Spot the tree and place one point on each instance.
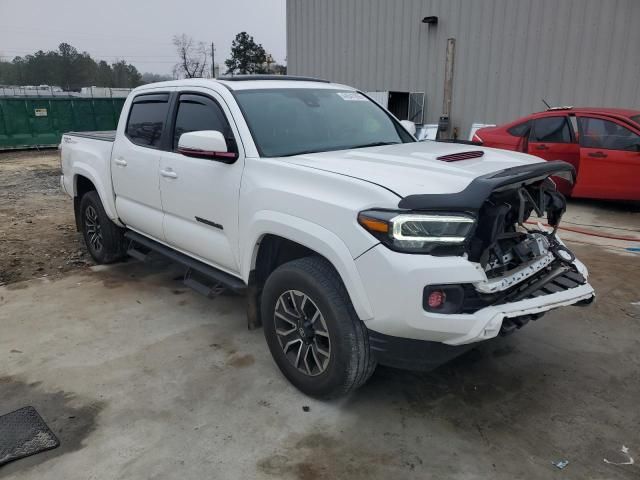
(247, 56)
(104, 75)
(148, 77)
(193, 57)
(68, 68)
(279, 69)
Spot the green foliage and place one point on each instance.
(148, 77)
(69, 69)
(247, 56)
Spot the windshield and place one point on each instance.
(292, 121)
(636, 118)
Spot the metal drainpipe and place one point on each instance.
(448, 85)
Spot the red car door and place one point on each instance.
(609, 159)
(552, 138)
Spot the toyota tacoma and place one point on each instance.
(354, 244)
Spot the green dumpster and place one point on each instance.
(28, 122)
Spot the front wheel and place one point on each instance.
(312, 330)
(104, 239)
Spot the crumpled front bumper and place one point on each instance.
(394, 283)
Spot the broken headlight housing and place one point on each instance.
(424, 232)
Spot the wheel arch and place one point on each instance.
(276, 238)
(86, 179)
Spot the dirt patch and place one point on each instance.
(37, 228)
(241, 360)
(317, 456)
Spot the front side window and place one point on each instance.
(292, 121)
(146, 120)
(197, 113)
(605, 134)
(636, 118)
(551, 130)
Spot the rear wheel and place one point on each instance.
(312, 330)
(104, 239)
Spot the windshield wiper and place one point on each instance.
(320, 150)
(304, 152)
(376, 144)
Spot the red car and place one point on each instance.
(603, 144)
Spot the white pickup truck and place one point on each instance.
(355, 244)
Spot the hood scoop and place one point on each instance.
(456, 157)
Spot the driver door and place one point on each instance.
(609, 159)
(200, 196)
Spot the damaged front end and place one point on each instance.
(520, 258)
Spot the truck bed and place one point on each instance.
(104, 135)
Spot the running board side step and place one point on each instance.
(219, 279)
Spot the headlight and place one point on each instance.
(417, 232)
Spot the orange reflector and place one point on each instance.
(373, 224)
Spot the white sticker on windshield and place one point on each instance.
(352, 96)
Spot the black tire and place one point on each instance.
(110, 247)
(350, 363)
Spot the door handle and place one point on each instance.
(597, 155)
(168, 173)
(542, 147)
(120, 161)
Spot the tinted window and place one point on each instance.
(146, 121)
(599, 133)
(199, 113)
(291, 121)
(636, 118)
(520, 129)
(551, 130)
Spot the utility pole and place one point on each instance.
(213, 61)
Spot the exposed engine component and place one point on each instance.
(508, 251)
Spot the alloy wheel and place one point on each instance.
(302, 332)
(92, 226)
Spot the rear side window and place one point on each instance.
(599, 133)
(146, 119)
(521, 129)
(551, 130)
(196, 113)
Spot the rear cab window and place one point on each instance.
(521, 129)
(147, 118)
(551, 130)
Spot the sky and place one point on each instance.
(139, 31)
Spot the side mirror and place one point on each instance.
(409, 126)
(208, 144)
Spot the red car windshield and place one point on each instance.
(636, 118)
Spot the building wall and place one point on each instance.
(509, 53)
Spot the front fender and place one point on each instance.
(314, 237)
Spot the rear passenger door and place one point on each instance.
(200, 196)
(135, 161)
(553, 138)
(609, 159)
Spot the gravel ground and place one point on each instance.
(37, 229)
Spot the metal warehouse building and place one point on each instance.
(489, 61)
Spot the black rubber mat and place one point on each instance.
(24, 433)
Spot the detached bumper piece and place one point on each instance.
(410, 354)
(556, 277)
